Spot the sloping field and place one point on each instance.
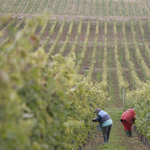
(91, 38)
(78, 7)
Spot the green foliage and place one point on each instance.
(44, 104)
(140, 101)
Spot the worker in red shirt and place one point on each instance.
(127, 119)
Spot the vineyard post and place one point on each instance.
(123, 98)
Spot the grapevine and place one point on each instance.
(104, 82)
(20, 23)
(1, 2)
(121, 82)
(42, 96)
(136, 81)
(80, 6)
(54, 6)
(53, 27)
(139, 6)
(94, 7)
(12, 6)
(78, 67)
(127, 10)
(73, 9)
(91, 68)
(26, 6)
(33, 6)
(40, 6)
(11, 23)
(47, 6)
(113, 7)
(133, 10)
(141, 62)
(44, 27)
(52, 48)
(60, 7)
(63, 48)
(100, 10)
(146, 9)
(19, 5)
(72, 52)
(5, 5)
(120, 8)
(66, 10)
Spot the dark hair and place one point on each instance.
(97, 110)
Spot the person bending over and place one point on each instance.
(127, 119)
(105, 121)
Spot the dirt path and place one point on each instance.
(118, 139)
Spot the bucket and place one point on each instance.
(99, 128)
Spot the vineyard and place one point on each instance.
(78, 7)
(93, 42)
(59, 66)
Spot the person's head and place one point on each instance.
(97, 110)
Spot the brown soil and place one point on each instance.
(87, 60)
(46, 33)
(78, 49)
(68, 49)
(127, 73)
(53, 37)
(83, 32)
(99, 59)
(65, 31)
(92, 32)
(101, 32)
(139, 73)
(110, 31)
(74, 31)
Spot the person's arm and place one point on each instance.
(97, 118)
(133, 120)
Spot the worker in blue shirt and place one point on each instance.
(105, 121)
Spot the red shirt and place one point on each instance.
(129, 116)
